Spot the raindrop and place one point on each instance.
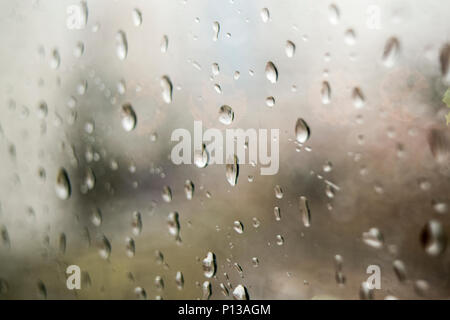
(89, 179)
(121, 45)
(167, 194)
(167, 87)
(232, 171)
(179, 280)
(280, 240)
(391, 51)
(358, 98)
(41, 290)
(201, 157)
(159, 282)
(5, 237)
(270, 101)
(42, 110)
(302, 131)
(189, 189)
(206, 290)
(96, 217)
(278, 192)
(136, 223)
(224, 290)
(62, 186)
(421, 287)
(400, 270)
(226, 115)
(164, 43)
(271, 72)
(216, 29)
(55, 59)
(334, 14)
(240, 293)
(350, 37)
(136, 16)
(104, 248)
(209, 265)
(140, 293)
(444, 59)
(277, 213)
(238, 227)
(130, 247)
(121, 87)
(128, 116)
(78, 50)
(326, 92)
(255, 262)
(373, 238)
(433, 238)
(304, 211)
(215, 69)
(62, 243)
(236, 75)
(173, 224)
(265, 15)
(290, 49)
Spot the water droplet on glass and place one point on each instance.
(173, 224)
(128, 116)
(280, 240)
(78, 50)
(104, 248)
(358, 98)
(179, 280)
(304, 211)
(96, 217)
(130, 247)
(444, 59)
(89, 179)
(240, 293)
(232, 171)
(189, 189)
(373, 238)
(201, 157)
(140, 293)
(365, 291)
(278, 192)
(206, 290)
(136, 223)
(302, 131)
(216, 29)
(167, 194)
(325, 92)
(271, 72)
(166, 86)
(121, 45)
(209, 265)
(350, 37)
(433, 238)
(136, 16)
(164, 43)
(333, 13)
(265, 15)
(290, 49)
(55, 59)
(400, 270)
(238, 227)
(391, 51)
(226, 115)
(270, 101)
(215, 69)
(62, 187)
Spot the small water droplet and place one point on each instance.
(304, 211)
(164, 43)
(373, 238)
(400, 270)
(358, 98)
(350, 37)
(96, 217)
(216, 29)
(130, 247)
(128, 116)
(167, 88)
(232, 171)
(173, 224)
(240, 293)
(201, 157)
(189, 189)
(271, 72)
(238, 227)
(167, 194)
(391, 52)
(325, 92)
(136, 16)
(136, 223)
(104, 248)
(366, 292)
(290, 49)
(206, 290)
(270, 102)
(179, 280)
(55, 59)
(121, 45)
(209, 265)
(333, 14)
(278, 192)
(277, 213)
(280, 240)
(62, 187)
(215, 69)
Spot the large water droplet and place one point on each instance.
(302, 131)
(271, 72)
(240, 292)
(62, 187)
(128, 116)
(226, 115)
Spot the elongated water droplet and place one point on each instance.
(62, 187)
(326, 92)
(302, 131)
(290, 49)
(121, 45)
(130, 247)
(128, 116)
(280, 240)
(206, 290)
(62, 243)
(159, 283)
(391, 51)
(226, 115)
(400, 270)
(136, 223)
(104, 248)
(5, 237)
(140, 293)
(89, 179)
(167, 194)
(173, 224)
(373, 238)
(232, 171)
(179, 280)
(304, 211)
(96, 217)
(333, 14)
(216, 29)
(350, 37)
(255, 262)
(444, 59)
(166, 86)
(79, 49)
(224, 289)
(136, 16)
(265, 15)
(215, 69)
(277, 213)
(240, 293)
(433, 238)
(164, 43)
(366, 291)
(55, 59)
(41, 290)
(271, 72)
(189, 189)
(209, 265)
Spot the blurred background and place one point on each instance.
(367, 76)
